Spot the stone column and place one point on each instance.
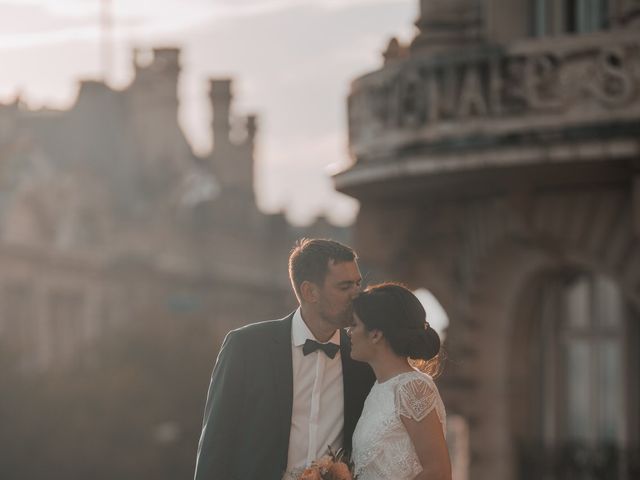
(447, 23)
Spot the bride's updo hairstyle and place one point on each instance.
(399, 315)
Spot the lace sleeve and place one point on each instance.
(416, 398)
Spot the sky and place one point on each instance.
(292, 62)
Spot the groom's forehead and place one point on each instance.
(345, 271)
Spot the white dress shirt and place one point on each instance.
(317, 416)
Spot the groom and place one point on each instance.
(282, 391)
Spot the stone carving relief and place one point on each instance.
(496, 86)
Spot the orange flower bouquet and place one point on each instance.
(334, 466)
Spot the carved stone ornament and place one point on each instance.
(430, 95)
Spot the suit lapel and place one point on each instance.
(282, 368)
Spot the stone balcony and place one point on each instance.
(557, 100)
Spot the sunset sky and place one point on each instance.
(292, 61)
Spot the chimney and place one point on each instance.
(220, 96)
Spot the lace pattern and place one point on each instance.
(416, 398)
(382, 449)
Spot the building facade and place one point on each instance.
(496, 161)
(106, 213)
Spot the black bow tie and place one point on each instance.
(311, 346)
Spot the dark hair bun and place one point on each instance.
(416, 343)
(422, 344)
(398, 313)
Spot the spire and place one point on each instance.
(395, 51)
(447, 24)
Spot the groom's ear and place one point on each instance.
(309, 291)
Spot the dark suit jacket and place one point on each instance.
(247, 418)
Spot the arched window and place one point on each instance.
(592, 337)
(579, 390)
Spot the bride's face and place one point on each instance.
(361, 340)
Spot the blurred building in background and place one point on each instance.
(497, 164)
(105, 212)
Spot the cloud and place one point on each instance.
(31, 23)
(170, 12)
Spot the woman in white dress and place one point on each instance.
(401, 432)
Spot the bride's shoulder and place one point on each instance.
(416, 395)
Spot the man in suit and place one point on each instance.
(283, 391)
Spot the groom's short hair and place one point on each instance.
(310, 257)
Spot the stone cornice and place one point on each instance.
(413, 166)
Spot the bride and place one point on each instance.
(401, 433)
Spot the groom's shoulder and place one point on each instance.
(260, 329)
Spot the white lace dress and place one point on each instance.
(382, 449)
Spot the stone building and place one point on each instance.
(496, 161)
(105, 211)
